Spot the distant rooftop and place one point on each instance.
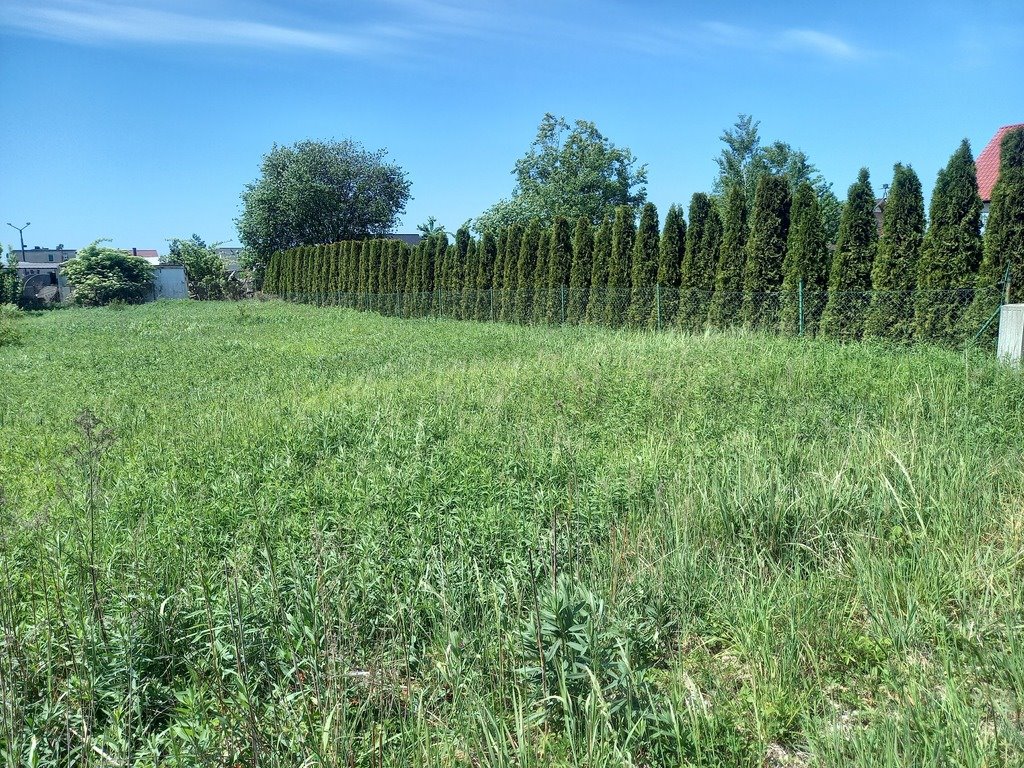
(408, 239)
(988, 162)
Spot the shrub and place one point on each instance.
(100, 275)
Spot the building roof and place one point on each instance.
(988, 162)
(408, 239)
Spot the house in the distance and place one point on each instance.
(408, 239)
(38, 268)
(169, 280)
(988, 167)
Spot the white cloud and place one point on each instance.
(99, 21)
(717, 34)
(821, 43)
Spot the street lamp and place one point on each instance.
(21, 236)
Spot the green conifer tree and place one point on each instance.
(559, 263)
(597, 301)
(727, 301)
(805, 268)
(644, 269)
(324, 277)
(620, 266)
(487, 252)
(580, 270)
(525, 267)
(509, 282)
(849, 277)
(498, 273)
(269, 279)
(894, 274)
(951, 251)
(298, 284)
(540, 277)
(697, 276)
(766, 251)
(1004, 234)
(468, 304)
(671, 251)
(401, 280)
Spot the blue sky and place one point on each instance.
(141, 121)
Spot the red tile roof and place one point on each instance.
(988, 162)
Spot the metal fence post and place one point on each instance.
(657, 303)
(801, 302)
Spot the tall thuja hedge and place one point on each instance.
(710, 247)
(597, 300)
(805, 267)
(951, 251)
(671, 250)
(457, 270)
(894, 274)
(644, 272)
(270, 278)
(412, 287)
(487, 251)
(697, 273)
(373, 275)
(395, 276)
(540, 277)
(334, 273)
(849, 278)
(401, 273)
(766, 251)
(432, 247)
(351, 273)
(559, 262)
(498, 272)
(727, 300)
(323, 266)
(308, 268)
(618, 285)
(1004, 233)
(580, 271)
(510, 276)
(468, 287)
(525, 267)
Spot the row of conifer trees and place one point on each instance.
(721, 266)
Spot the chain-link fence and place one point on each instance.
(954, 317)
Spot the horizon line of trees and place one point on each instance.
(765, 266)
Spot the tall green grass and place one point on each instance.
(279, 535)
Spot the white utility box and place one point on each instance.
(1011, 334)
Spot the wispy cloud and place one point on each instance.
(717, 34)
(106, 21)
(820, 43)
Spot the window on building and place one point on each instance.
(51, 257)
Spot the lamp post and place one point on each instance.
(21, 236)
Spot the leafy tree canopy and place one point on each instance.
(204, 268)
(744, 160)
(315, 192)
(569, 171)
(100, 275)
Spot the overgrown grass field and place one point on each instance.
(265, 534)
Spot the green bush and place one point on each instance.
(100, 275)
